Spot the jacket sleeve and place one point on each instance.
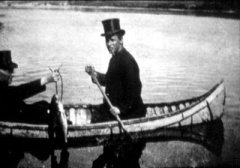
(27, 90)
(100, 78)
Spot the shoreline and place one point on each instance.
(231, 14)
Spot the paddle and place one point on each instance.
(110, 104)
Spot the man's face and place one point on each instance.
(5, 76)
(114, 44)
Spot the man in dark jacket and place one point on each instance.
(13, 107)
(122, 80)
(123, 88)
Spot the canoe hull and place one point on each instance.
(210, 135)
(160, 117)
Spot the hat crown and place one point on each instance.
(112, 26)
(6, 60)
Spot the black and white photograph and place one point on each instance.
(119, 84)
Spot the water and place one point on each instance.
(179, 57)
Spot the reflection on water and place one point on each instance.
(209, 134)
(122, 152)
(64, 160)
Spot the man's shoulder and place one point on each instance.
(125, 55)
(125, 52)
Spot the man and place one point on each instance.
(13, 107)
(123, 88)
(12, 104)
(122, 80)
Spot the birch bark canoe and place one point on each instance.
(162, 119)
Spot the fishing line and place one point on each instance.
(61, 85)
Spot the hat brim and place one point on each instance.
(122, 32)
(14, 65)
(11, 66)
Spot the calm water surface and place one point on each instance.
(179, 57)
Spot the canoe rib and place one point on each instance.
(205, 108)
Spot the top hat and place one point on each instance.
(6, 61)
(111, 27)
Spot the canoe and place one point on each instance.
(162, 119)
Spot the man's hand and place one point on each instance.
(90, 70)
(53, 77)
(114, 110)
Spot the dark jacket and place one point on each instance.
(123, 84)
(12, 98)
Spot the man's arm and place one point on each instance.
(27, 90)
(100, 78)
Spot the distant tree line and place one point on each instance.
(192, 5)
(218, 5)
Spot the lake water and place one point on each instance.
(179, 57)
